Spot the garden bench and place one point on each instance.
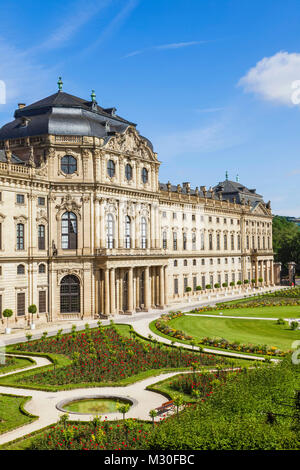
(164, 407)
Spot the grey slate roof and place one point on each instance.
(64, 114)
(230, 190)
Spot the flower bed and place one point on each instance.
(128, 435)
(201, 384)
(103, 355)
(162, 325)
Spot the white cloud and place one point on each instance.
(272, 78)
(84, 11)
(213, 137)
(162, 47)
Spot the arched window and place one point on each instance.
(144, 175)
(218, 241)
(68, 164)
(127, 232)
(174, 240)
(69, 231)
(143, 233)
(111, 168)
(202, 241)
(128, 172)
(193, 241)
(70, 295)
(239, 242)
(20, 269)
(20, 236)
(210, 241)
(184, 241)
(42, 268)
(164, 237)
(110, 231)
(225, 242)
(41, 237)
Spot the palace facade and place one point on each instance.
(86, 229)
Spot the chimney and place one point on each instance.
(21, 105)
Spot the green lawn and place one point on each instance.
(245, 331)
(11, 413)
(266, 312)
(15, 364)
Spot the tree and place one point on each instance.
(153, 414)
(123, 408)
(32, 310)
(286, 241)
(7, 313)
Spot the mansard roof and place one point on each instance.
(234, 190)
(14, 158)
(64, 114)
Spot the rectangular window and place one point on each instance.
(193, 217)
(21, 304)
(175, 286)
(203, 282)
(219, 279)
(42, 301)
(20, 199)
(41, 237)
(41, 201)
(174, 241)
(174, 215)
(226, 278)
(194, 283)
(20, 237)
(184, 241)
(203, 261)
(185, 283)
(183, 216)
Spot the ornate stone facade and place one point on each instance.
(97, 234)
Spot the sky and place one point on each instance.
(214, 84)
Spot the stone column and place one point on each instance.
(161, 287)
(106, 292)
(137, 285)
(166, 285)
(256, 272)
(147, 289)
(97, 223)
(112, 291)
(102, 225)
(271, 272)
(130, 290)
(121, 226)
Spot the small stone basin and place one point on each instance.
(95, 405)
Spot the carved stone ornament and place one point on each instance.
(61, 273)
(68, 204)
(130, 142)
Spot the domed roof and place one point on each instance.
(64, 114)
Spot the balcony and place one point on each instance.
(129, 252)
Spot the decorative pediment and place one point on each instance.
(68, 204)
(261, 209)
(130, 142)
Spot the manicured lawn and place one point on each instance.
(11, 415)
(246, 331)
(15, 363)
(265, 312)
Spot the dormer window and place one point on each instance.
(68, 164)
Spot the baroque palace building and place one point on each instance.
(86, 229)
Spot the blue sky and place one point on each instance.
(209, 82)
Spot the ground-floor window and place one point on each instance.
(42, 301)
(21, 304)
(70, 295)
(194, 282)
(175, 286)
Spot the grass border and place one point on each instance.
(21, 410)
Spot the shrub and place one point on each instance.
(217, 285)
(239, 283)
(208, 286)
(280, 321)
(294, 325)
(232, 283)
(225, 284)
(246, 281)
(188, 289)
(198, 288)
(7, 313)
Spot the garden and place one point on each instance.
(102, 356)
